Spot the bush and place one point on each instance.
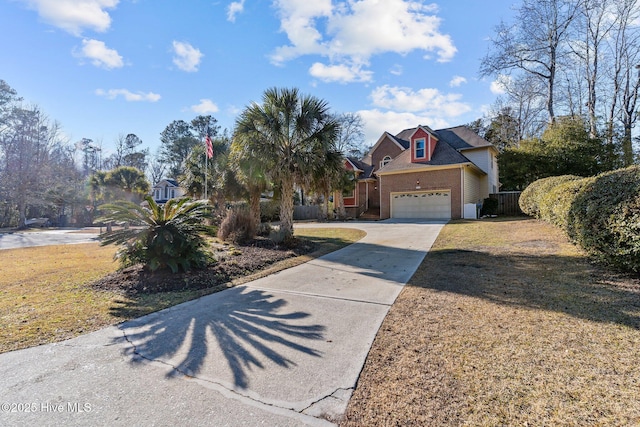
(600, 214)
(237, 225)
(168, 236)
(489, 207)
(532, 196)
(605, 218)
(264, 229)
(557, 202)
(269, 211)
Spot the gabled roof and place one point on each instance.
(462, 138)
(406, 134)
(171, 182)
(443, 155)
(452, 142)
(364, 167)
(401, 143)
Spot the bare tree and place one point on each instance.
(534, 44)
(595, 23)
(350, 140)
(157, 168)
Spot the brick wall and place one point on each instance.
(386, 148)
(446, 179)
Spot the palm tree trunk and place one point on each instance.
(286, 208)
(254, 207)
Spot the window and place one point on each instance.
(385, 160)
(420, 152)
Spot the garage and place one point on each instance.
(421, 204)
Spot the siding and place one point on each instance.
(471, 187)
(486, 161)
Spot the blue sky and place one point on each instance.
(102, 68)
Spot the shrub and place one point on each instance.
(264, 229)
(489, 206)
(531, 197)
(168, 236)
(605, 218)
(269, 211)
(237, 225)
(557, 202)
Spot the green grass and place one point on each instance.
(45, 292)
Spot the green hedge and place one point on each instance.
(557, 203)
(605, 218)
(531, 198)
(601, 214)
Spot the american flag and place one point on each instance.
(209, 147)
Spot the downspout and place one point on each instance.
(380, 197)
(462, 191)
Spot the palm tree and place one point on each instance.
(253, 177)
(287, 136)
(168, 236)
(327, 177)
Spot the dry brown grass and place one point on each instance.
(505, 323)
(46, 293)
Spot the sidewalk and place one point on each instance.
(284, 350)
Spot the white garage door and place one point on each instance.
(424, 204)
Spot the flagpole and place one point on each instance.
(206, 164)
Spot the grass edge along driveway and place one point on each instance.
(505, 323)
(45, 292)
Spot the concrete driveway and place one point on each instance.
(284, 350)
(23, 239)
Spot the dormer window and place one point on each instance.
(420, 152)
(384, 161)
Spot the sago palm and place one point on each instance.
(159, 237)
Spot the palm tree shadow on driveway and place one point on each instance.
(247, 328)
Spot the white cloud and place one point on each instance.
(354, 31)
(340, 73)
(206, 106)
(457, 81)
(128, 95)
(99, 54)
(398, 108)
(376, 122)
(186, 57)
(500, 84)
(234, 8)
(428, 100)
(75, 15)
(397, 70)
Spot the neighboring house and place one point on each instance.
(167, 189)
(422, 173)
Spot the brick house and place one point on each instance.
(422, 173)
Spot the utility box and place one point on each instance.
(470, 211)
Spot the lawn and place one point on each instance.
(46, 292)
(505, 323)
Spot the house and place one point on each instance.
(422, 173)
(167, 189)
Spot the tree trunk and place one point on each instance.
(286, 208)
(324, 209)
(254, 207)
(338, 199)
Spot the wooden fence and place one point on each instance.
(306, 212)
(508, 202)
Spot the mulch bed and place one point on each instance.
(232, 261)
